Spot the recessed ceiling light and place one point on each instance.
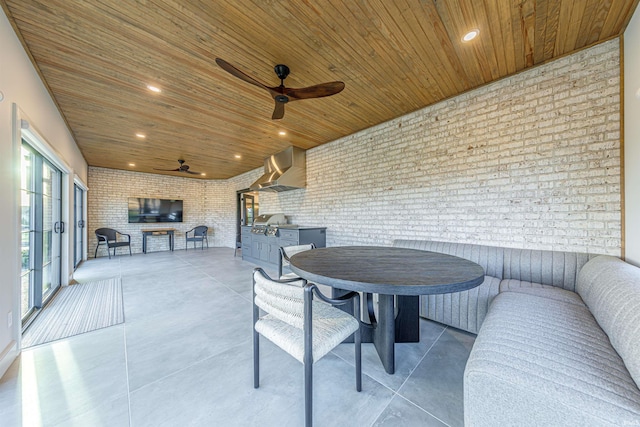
(141, 135)
(154, 88)
(470, 35)
(238, 156)
(282, 133)
(132, 164)
(203, 174)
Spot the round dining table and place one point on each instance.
(398, 276)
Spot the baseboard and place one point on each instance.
(7, 357)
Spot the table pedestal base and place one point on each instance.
(388, 328)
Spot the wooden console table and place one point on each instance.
(157, 232)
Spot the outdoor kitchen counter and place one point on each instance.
(265, 250)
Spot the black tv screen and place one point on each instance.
(143, 210)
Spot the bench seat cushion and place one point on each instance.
(542, 361)
(512, 285)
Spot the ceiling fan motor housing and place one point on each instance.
(282, 71)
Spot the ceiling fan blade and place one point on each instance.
(239, 74)
(193, 173)
(278, 111)
(167, 170)
(317, 91)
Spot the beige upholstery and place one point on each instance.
(302, 326)
(283, 325)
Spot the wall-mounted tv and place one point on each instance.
(146, 211)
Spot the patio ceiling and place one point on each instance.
(97, 58)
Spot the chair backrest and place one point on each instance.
(282, 300)
(109, 233)
(200, 231)
(286, 252)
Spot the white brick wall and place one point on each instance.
(109, 190)
(530, 161)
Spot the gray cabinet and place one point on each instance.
(265, 250)
(246, 239)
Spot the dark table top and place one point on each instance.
(387, 270)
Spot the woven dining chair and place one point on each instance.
(305, 328)
(286, 252)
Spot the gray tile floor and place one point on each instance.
(183, 357)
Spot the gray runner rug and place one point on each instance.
(77, 309)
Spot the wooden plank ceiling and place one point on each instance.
(97, 58)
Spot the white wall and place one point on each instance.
(632, 139)
(24, 92)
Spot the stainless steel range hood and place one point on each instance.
(286, 170)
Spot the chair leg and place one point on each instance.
(308, 394)
(358, 345)
(95, 255)
(256, 359)
(130, 250)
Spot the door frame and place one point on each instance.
(240, 212)
(78, 182)
(24, 129)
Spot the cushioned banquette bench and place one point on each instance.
(558, 336)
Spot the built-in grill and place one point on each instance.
(268, 224)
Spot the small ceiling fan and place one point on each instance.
(182, 168)
(280, 94)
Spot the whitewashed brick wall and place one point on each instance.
(205, 203)
(530, 161)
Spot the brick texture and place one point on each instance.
(531, 161)
(211, 203)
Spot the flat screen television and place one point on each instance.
(147, 211)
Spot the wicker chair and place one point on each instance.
(286, 252)
(199, 235)
(304, 328)
(109, 237)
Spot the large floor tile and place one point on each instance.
(175, 338)
(402, 413)
(68, 379)
(436, 384)
(219, 391)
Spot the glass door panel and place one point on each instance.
(249, 211)
(78, 208)
(27, 231)
(51, 228)
(40, 228)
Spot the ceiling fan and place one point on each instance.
(182, 168)
(280, 94)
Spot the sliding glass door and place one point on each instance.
(41, 229)
(78, 215)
